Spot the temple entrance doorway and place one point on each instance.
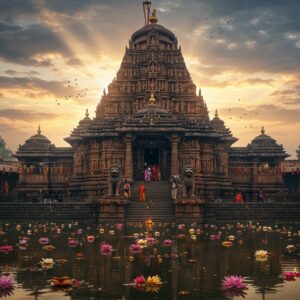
(151, 156)
(151, 150)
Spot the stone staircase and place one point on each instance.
(159, 205)
(267, 213)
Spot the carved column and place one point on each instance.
(174, 162)
(128, 158)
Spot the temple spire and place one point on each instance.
(216, 114)
(263, 130)
(39, 130)
(87, 113)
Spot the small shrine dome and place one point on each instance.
(37, 142)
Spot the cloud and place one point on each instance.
(33, 45)
(265, 112)
(26, 115)
(33, 85)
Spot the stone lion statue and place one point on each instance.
(188, 181)
(114, 180)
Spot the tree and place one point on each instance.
(298, 153)
(4, 152)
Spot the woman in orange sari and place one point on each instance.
(142, 193)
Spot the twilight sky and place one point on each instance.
(56, 57)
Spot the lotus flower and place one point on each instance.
(143, 243)
(43, 240)
(18, 227)
(261, 255)
(135, 249)
(167, 243)
(181, 226)
(73, 243)
(193, 237)
(157, 233)
(29, 232)
(290, 248)
(6, 249)
(61, 282)
(214, 237)
(153, 284)
(47, 263)
(90, 238)
(227, 244)
(119, 226)
(290, 276)
(106, 249)
(231, 238)
(101, 231)
(150, 241)
(233, 282)
(192, 231)
(139, 280)
(6, 282)
(48, 248)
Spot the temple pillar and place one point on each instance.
(174, 161)
(128, 174)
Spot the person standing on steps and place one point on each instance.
(142, 193)
(127, 190)
(174, 185)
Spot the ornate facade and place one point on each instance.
(152, 114)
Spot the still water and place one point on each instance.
(102, 261)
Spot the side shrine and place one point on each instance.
(151, 115)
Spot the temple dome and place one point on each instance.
(87, 120)
(163, 34)
(37, 142)
(265, 145)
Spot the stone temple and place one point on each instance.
(151, 114)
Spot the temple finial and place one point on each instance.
(153, 19)
(146, 8)
(87, 113)
(39, 131)
(263, 130)
(152, 99)
(200, 94)
(216, 114)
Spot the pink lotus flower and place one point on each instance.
(181, 226)
(135, 249)
(139, 280)
(43, 240)
(233, 282)
(6, 282)
(290, 276)
(150, 241)
(90, 238)
(23, 242)
(167, 243)
(73, 243)
(6, 248)
(106, 249)
(119, 226)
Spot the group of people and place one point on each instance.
(151, 172)
(239, 198)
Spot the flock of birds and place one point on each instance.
(219, 29)
(75, 92)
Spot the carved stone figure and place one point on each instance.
(114, 180)
(188, 181)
